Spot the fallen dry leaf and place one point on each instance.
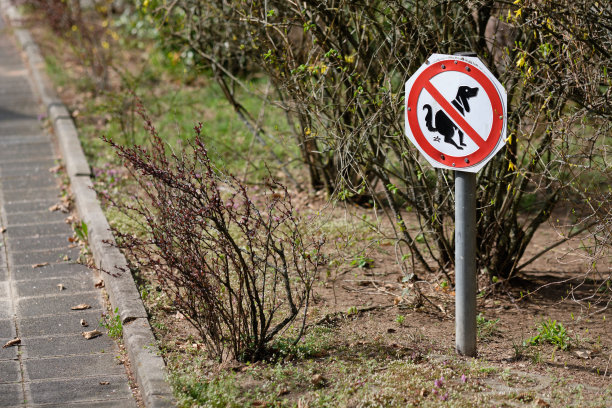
(82, 306)
(40, 265)
(84, 323)
(59, 207)
(586, 354)
(66, 258)
(12, 343)
(71, 239)
(104, 383)
(60, 287)
(99, 284)
(179, 316)
(2, 230)
(91, 334)
(70, 219)
(317, 380)
(55, 169)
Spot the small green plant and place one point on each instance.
(486, 327)
(81, 231)
(352, 311)
(552, 332)
(313, 344)
(112, 324)
(536, 357)
(362, 261)
(400, 319)
(519, 350)
(144, 293)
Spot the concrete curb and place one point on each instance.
(147, 365)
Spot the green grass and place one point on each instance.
(176, 100)
(331, 371)
(551, 332)
(176, 111)
(336, 382)
(112, 324)
(362, 261)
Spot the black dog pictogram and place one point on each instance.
(444, 125)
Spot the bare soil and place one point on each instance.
(370, 318)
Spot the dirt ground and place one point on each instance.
(370, 320)
(559, 285)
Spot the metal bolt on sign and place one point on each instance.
(456, 117)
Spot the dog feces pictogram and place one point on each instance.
(455, 112)
(443, 124)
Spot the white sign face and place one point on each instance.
(456, 112)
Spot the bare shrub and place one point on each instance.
(339, 68)
(238, 267)
(85, 29)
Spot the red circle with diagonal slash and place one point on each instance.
(485, 146)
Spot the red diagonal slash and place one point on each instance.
(454, 114)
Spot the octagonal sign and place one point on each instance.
(456, 112)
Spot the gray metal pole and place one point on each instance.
(465, 263)
(465, 258)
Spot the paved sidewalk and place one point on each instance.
(54, 366)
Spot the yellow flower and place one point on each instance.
(105, 23)
(511, 166)
(74, 28)
(518, 12)
(350, 59)
(175, 57)
(307, 131)
(105, 45)
(521, 61)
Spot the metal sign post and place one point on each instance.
(456, 117)
(466, 284)
(465, 263)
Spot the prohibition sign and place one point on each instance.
(486, 143)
